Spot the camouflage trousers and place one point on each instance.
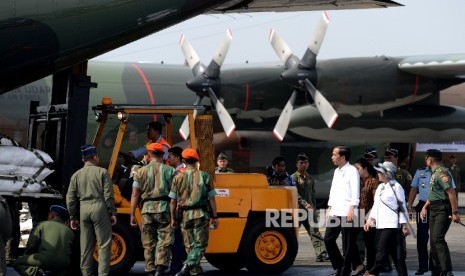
(195, 234)
(157, 237)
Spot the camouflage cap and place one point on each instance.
(222, 156)
(434, 153)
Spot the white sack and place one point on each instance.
(19, 156)
(16, 186)
(6, 141)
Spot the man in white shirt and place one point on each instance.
(342, 215)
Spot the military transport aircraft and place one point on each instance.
(38, 38)
(385, 98)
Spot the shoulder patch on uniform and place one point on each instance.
(444, 178)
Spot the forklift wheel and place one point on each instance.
(269, 250)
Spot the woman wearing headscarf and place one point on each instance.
(387, 215)
(369, 182)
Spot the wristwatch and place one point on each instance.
(456, 212)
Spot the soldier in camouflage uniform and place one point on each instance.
(404, 178)
(222, 162)
(192, 192)
(152, 185)
(442, 205)
(306, 199)
(91, 190)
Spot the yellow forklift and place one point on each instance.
(245, 201)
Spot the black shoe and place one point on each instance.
(185, 271)
(420, 271)
(41, 272)
(9, 262)
(336, 273)
(323, 257)
(359, 271)
(160, 270)
(386, 268)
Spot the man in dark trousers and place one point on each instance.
(342, 214)
(420, 186)
(442, 205)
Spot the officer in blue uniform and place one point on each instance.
(420, 186)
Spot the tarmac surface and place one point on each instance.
(305, 263)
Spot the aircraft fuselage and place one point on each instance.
(37, 39)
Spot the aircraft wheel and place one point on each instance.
(269, 250)
(123, 250)
(226, 261)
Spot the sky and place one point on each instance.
(421, 27)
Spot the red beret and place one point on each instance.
(190, 154)
(156, 147)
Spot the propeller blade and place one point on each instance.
(326, 110)
(281, 126)
(309, 58)
(191, 56)
(213, 69)
(280, 46)
(225, 119)
(184, 129)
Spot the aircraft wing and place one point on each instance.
(436, 66)
(299, 5)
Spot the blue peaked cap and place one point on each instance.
(88, 150)
(61, 210)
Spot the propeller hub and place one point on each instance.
(201, 84)
(296, 76)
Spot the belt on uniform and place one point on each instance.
(160, 198)
(439, 202)
(202, 206)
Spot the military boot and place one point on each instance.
(185, 271)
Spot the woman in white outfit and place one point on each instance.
(387, 215)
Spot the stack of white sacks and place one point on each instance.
(22, 170)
